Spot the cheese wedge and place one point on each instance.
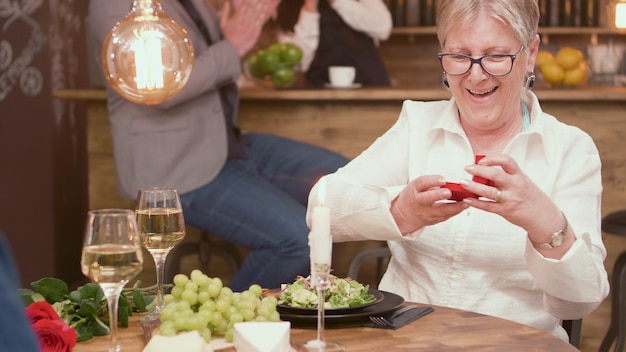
(189, 342)
(262, 336)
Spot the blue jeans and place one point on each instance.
(260, 204)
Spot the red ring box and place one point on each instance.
(458, 192)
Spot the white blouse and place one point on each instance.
(477, 260)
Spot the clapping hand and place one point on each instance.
(242, 21)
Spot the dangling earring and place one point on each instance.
(530, 81)
(444, 81)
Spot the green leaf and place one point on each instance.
(87, 309)
(83, 332)
(99, 327)
(75, 296)
(91, 291)
(52, 289)
(124, 310)
(140, 302)
(26, 295)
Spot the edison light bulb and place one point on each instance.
(147, 57)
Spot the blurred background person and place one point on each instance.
(337, 33)
(247, 188)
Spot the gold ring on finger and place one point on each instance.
(497, 197)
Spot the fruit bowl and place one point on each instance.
(276, 66)
(283, 77)
(567, 68)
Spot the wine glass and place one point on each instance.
(111, 256)
(161, 227)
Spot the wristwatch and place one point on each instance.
(557, 238)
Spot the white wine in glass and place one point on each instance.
(161, 227)
(111, 257)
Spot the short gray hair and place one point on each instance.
(521, 15)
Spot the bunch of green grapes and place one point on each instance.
(204, 304)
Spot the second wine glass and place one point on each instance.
(161, 227)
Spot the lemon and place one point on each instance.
(569, 57)
(543, 57)
(552, 73)
(576, 75)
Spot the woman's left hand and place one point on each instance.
(514, 195)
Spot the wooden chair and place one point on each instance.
(615, 223)
(573, 327)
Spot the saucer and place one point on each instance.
(352, 86)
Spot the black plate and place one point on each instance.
(390, 302)
(342, 310)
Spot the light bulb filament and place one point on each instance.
(620, 15)
(148, 61)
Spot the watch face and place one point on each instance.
(557, 240)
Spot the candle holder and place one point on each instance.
(320, 276)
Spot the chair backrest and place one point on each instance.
(574, 330)
(379, 253)
(573, 327)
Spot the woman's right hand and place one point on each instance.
(419, 205)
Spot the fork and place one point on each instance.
(387, 322)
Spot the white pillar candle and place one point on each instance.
(320, 241)
(319, 238)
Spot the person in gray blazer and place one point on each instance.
(250, 189)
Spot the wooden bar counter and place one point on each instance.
(445, 329)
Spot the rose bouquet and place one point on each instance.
(61, 318)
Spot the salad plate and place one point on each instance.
(390, 302)
(342, 295)
(378, 295)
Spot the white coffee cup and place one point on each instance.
(341, 76)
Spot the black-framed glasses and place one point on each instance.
(493, 64)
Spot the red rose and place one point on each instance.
(54, 335)
(41, 310)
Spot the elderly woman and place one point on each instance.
(526, 246)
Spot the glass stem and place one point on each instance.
(159, 262)
(321, 289)
(112, 293)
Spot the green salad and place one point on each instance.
(341, 293)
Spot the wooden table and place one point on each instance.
(445, 329)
